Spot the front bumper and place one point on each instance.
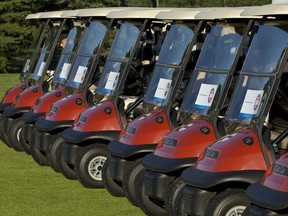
(42, 141)
(69, 153)
(10, 111)
(156, 184)
(267, 197)
(27, 129)
(3, 105)
(47, 125)
(123, 150)
(117, 167)
(203, 179)
(196, 200)
(258, 211)
(31, 117)
(167, 165)
(72, 136)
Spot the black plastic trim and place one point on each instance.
(165, 165)
(122, 150)
(268, 197)
(117, 167)
(3, 105)
(73, 136)
(30, 117)
(47, 125)
(156, 184)
(253, 210)
(12, 111)
(202, 179)
(195, 200)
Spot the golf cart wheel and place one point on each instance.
(113, 187)
(147, 204)
(14, 135)
(89, 165)
(38, 157)
(65, 169)
(228, 203)
(3, 135)
(133, 176)
(26, 144)
(53, 152)
(173, 197)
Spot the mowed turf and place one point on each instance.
(29, 189)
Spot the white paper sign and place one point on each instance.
(65, 70)
(112, 80)
(27, 66)
(206, 95)
(80, 74)
(163, 88)
(251, 102)
(41, 69)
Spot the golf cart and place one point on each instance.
(224, 170)
(85, 148)
(164, 94)
(43, 104)
(269, 196)
(10, 95)
(84, 72)
(39, 83)
(201, 112)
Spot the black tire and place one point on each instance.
(38, 157)
(227, 201)
(14, 135)
(26, 144)
(173, 198)
(89, 165)
(65, 169)
(4, 136)
(133, 175)
(53, 152)
(149, 206)
(114, 188)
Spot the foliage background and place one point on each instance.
(16, 32)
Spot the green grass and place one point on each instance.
(7, 81)
(29, 189)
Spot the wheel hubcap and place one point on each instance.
(95, 167)
(236, 211)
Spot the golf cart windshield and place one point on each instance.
(64, 64)
(255, 84)
(167, 68)
(91, 43)
(121, 50)
(50, 35)
(207, 82)
(220, 47)
(33, 49)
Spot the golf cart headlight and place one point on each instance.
(54, 109)
(211, 153)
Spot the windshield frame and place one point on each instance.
(232, 119)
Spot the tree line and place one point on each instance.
(16, 32)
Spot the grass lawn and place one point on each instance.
(29, 189)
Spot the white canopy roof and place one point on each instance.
(180, 14)
(33, 16)
(137, 13)
(223, 13)
(266, 10)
